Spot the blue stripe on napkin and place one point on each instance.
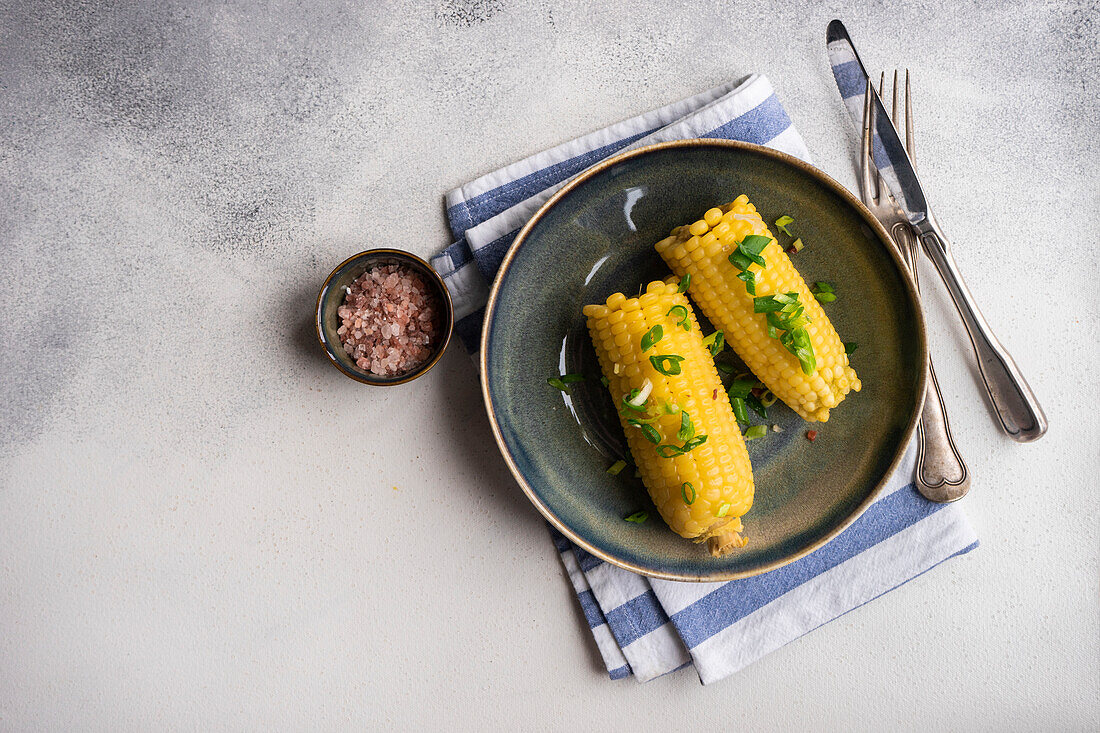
(646, 628)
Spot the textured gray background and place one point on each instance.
(204, 525)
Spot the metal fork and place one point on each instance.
(942, 476)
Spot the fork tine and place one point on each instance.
(865, 163)
(910, 139)
(894, 105)
(880, 185)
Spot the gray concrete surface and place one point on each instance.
(204, 526)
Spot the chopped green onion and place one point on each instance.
(722, 510)
(753, 245)
(667, 364)
(685, 283)
(768, 398)
(628, 401)
(556, 382)
(767, 304)
(671, 408)
(616, 468)
(756, 431)
(715, 342)
(648, 431)
(603, 381)
(687, 428)
(771, 332)
(782, 222)
(683, 318)
(850, 346)
(824, 292)
(669, 450)
(683, 492)
(741, 387)
(651, 337)
(797, 245)
(749, 277)
(757, 406)
(724, 368)
(751, 255)
(572, 378)
(637, 517)
(694, 443)
(739, 411)
(739, 260)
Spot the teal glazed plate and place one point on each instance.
(595, 237)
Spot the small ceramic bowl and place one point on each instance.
(332, 295)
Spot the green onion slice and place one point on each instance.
(695, 442)
(825, 297)
(637, 517)
(651, 337)
(850, 346)
(556, 382)
(687, 428)
(739, 411)
(741, 387)
(648, 431)
(616, 468)
(757, 406)
(684, 492)
(822, 287)
(749, 277)
(603, 381)
(671, 408)
(628, 401)
(739, 260)
(768, 398)
(685, 283)
(683, 318)
(667, 364)
(724, 368)
(797, 245)
(715, 342)
(767, 304)
(782, 223)
(756, 431)
(722, 510)
(572, 378)
(754, 244)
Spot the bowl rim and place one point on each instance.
(830, 183)
(448, 310)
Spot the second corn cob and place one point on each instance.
(810, 385)
(669, 395)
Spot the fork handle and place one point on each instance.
(942, 475)
(1014, 402)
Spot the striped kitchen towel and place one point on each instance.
(645, 627)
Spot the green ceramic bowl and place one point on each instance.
(331, 297)
(595, 237)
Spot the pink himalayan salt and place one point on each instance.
(388, 321)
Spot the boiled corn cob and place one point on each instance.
(702, 249)
(701, 490)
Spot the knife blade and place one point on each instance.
(1014, 403)
(889, 151)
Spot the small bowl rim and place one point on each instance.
(823, 178)
(448, 310)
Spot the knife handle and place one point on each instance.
(1014, 402)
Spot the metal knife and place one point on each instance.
(1015, 404)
